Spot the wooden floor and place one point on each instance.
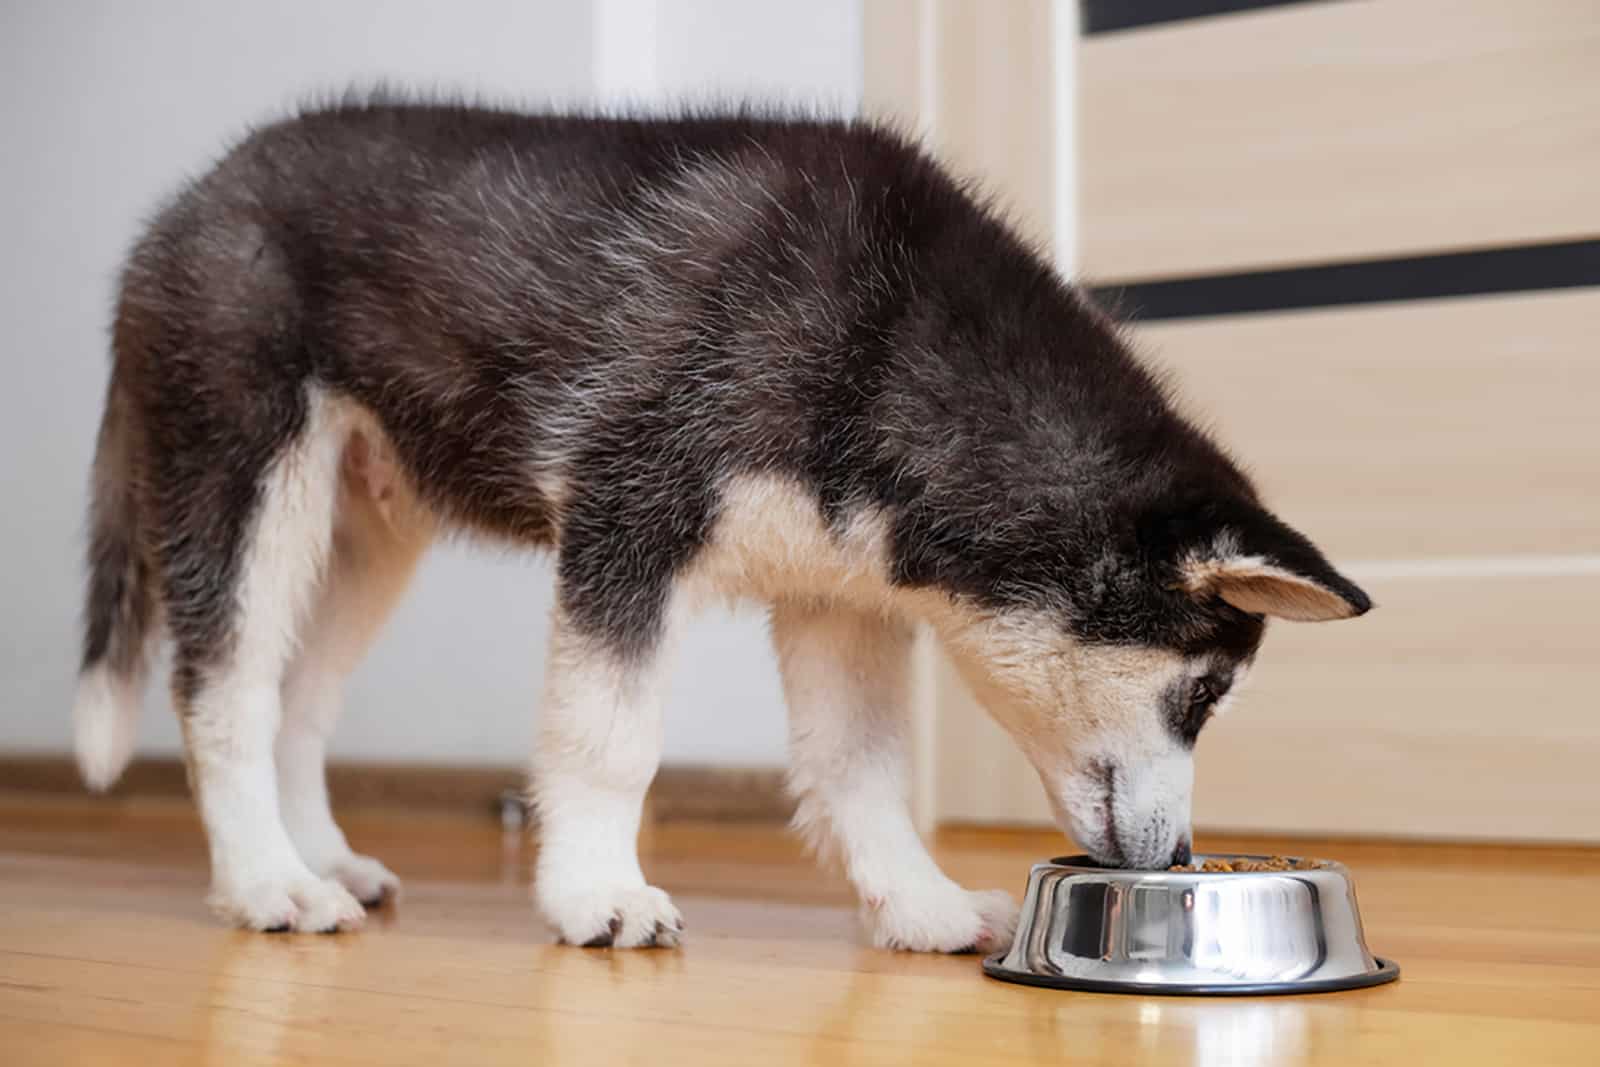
(107, 957)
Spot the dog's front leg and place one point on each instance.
(847, 679)
(598, 747)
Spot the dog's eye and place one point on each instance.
(1202, 698)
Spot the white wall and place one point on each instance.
(109, 104)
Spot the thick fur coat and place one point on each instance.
(734, 356)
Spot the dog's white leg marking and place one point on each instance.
(258, 879)
(846, 677)
(312, 699)
(598, 747)
(375, 552)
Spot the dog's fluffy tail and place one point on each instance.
(119, 606)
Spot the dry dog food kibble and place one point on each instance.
(1244, 864)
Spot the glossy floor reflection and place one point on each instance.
(107, 957)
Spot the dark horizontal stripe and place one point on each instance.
(1563, 265)
(1109, 16)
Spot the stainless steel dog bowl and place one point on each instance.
(1186, 932)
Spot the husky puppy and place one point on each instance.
(702, 357)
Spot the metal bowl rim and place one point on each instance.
(1387, 971)
(1082, 864)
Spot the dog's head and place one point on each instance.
(1107, 688)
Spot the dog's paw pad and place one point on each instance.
(606, 939)
(300, 905)
(367, 880)
(944, 918)
(642, 917)
(999, 910)
(666, 935)
(327, 907)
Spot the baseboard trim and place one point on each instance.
(681, 792)
(743, 794)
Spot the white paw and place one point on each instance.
(943, 918)
(369, 881)
(304, 905)
(642, 917)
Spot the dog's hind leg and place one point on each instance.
(598, 747)
(379, 534)
(847, 680)
(246, 529)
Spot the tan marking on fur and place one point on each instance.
(770, 543)
(1053, 694)
(1251, 583)
(375, 493)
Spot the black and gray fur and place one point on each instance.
(581, 334)
(640, 307)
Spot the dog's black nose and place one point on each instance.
(1181, 855)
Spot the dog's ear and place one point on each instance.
(1264, 567)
